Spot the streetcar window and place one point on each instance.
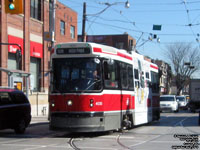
(154, 82)
(147, 75)
(142, 81)
(136, 73)
(130, 78)
(110, 75)
(124, 76)
(76, 75)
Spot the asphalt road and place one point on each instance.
(174, 130)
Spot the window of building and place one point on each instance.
(72, 32)
(35, 65)
(36, 9)
(120, 45)
(62, 27)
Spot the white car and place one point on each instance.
(182, 101)
(169, 103)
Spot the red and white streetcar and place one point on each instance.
(95, 88)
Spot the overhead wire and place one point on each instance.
(97, 16)
(190, 23)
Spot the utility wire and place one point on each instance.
(190, 23)
(166, 34)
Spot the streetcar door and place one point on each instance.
(127, 91)
(141, 95)
(112, 96)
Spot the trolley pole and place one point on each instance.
(83, 22)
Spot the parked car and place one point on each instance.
(169, 103)
(15, 110)
(182, 102)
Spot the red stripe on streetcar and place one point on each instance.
(152, 66)
(96, 49)
(106, 102)
(99, 50)
(124, 56)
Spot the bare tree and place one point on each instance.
(179, 54)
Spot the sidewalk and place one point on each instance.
(39, 119)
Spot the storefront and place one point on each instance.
(36, 54)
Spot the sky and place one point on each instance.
(179, 20)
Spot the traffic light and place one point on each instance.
(14, 6)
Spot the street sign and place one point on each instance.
(157, 27)
(47, 36)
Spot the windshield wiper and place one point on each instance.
(97, 80)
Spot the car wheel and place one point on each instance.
(20, 127)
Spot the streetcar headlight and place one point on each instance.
(69, 102)
(91, 102)
(52, 103)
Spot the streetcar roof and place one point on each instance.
(105, 50)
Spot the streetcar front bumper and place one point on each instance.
(77, 122)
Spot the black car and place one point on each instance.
(15, 110)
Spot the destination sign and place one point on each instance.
(73, 51)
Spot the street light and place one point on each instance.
(127, 5)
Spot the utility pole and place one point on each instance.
(83, 23)
(52, 17)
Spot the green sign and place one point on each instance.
(157, 27)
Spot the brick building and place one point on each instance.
(165, 74)
(27, 30)
(121, 41)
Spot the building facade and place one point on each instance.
(121, 41)
(23, 47)
(165, 74)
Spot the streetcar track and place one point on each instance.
(71, 143)
(124, 146)
(179, 122)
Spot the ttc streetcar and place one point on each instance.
(96, 88)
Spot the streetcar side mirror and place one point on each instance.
(110, 61)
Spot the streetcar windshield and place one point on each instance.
(76, 75)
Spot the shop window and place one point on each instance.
(35, 76)
(36, 9)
